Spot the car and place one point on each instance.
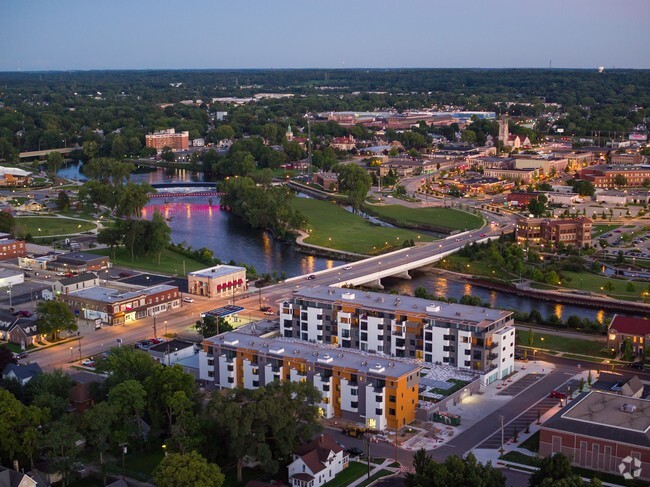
(558, 395)
(347, 268)
(20, 355)
(24, 313)
(187, 299)
(636, 365)
(356, 451)
(124, 274)
(88, 363)
(28, 268)
(61, 274)
(79, 469)
(114, 276)
(311, 276)
(519, 356)
(269, 313)
(266, 308)
(482, 235)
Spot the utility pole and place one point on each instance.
(155, 331)
(368, 453)
(501, 420)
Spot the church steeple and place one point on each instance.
(289, 133)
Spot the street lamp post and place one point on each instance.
(155, 330)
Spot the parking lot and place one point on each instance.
(146, 279)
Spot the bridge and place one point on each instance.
(188, 184)
(184, 195)
(43, 153)
(369, 272)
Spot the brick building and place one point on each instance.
(635, 330)
(168, 138)
(539, 231)
(217, 281)
(604, 176)
(521, 198)
(11, 248)
(79, 262)
(601, 431)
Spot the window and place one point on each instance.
(391, 411)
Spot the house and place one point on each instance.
(30, 206)
(623, 329)
(24, 332)
(80, 394)
(22, 373)
(317, 462)
(169, 353)
(13, 478)
(343, 143)
(12, 176)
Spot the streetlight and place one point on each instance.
(71, 356)
(165, 327)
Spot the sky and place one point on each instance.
(218, 34)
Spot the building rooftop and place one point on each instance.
(79, 256)
(371, 364)
(407, 305)
(630, 326)
(217, 271)
(171, 346)
(611, 410)
(86, 276)
(110, 295)
(619, 168)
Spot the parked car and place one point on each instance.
(266, 308)
(20, 355)
(356, 451)
(24, 313)
(88, 362)
(187, 299)
(347, 268)
(637, 365)
(310, 277)
(124, 274)
(558, 395)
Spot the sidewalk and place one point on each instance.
(376, 469)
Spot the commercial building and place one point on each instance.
(14, 177)
(168, 138)
(115, 307)
(467, 337)
(11, 248)
(10, 278)
(625, 158)
(521, 175)
(218, 281)
(539, 231)
(635, 331)
(601, 431)
(75, 283)
(605, 176)
(377, 391)
(521, 198)
(614, 197)
(328, 180)
(78, 262)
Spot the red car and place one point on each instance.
(558, 395)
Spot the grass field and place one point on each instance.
(349, 475)
(598, 230)
(378, 475)
(170, 262)
(333, 227)
(594, 346)
(50, 226)
(458, 263)
(435, 217)
(591, 282)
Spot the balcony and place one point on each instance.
(491, 345)
(493, 356)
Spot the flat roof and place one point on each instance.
(601, 415)
(621, 168)
(318, 355)
(217, 271)
(83, 256)
(405, 305)
(111, 295)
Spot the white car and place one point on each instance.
(347, 268)
(187, 299)
(88, 362)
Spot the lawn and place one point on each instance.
(170, 262)
(592, 282)
(589, 346)
(531, 443)
(442, 218)
(458, 263)
(598, 230)
(354, 471)
(50, 226)
(518, 457)
(332, 226)
(378, 475)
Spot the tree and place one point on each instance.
(20, 428)
(6, 357)
(127, 363)
(553, 470)
(55, 317)
(54, 161)
(189, 469)
(620, 180)
(160, 386)
(97, 426)
(60, 444)
(167, 154)
(111, 236)
(224, 132)
(159, 234)
(63, 201)
(210, 326)
(132, 199)
(265, 423)
(355, 182)
(90, 148)
(454, 472)
(552, 278)
(7, 222)
(584, 188)
(537, 206)
(128, 400)
(531, 337)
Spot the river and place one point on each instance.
(197, 223)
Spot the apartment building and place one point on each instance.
(168, 138)
(11, 248)
(467, 337)
(605, 175)
(540, 231)
(377, 391)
